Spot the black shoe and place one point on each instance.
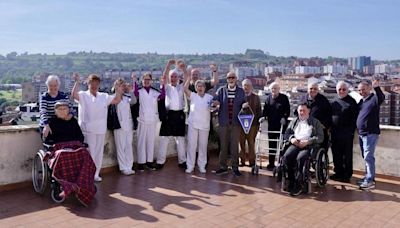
(270, 167)
(242, 164)
(182, 165)
(236, 172)
(159, 166)
(296, 190)
(150, 166)
(345, 180)
(140, 167)
(252, 164)
(221, 171)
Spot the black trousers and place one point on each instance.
(294, 160)
(173, 124)
(342, 153)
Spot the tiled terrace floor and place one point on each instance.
(171, 198)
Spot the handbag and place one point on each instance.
(112, 118)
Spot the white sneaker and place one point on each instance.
(98, 179)
(202, 170)
(128, 172)
(188, 170)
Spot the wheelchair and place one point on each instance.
(65, 165)
(316, 168)
(41, 175)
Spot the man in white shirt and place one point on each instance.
(173, 124)
(303, 133)
(92, 117)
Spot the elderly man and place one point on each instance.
(230, 99)
(276, 111)
(173, 124)
(254, 103)
(195, 75)
(320, 108)
(344, 116)
(368, 128)
(303, 133)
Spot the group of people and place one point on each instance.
(182, 90)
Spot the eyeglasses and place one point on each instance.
(342, 89)
(313, 88)
(230, 77)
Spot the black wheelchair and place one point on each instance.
(41, 175)
(316, 168)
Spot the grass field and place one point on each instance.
(11, 95)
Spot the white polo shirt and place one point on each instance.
(174, 97)
(124, 114)
(92, 111)
(199, 115)
(303, 130)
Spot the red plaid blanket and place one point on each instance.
(74, 169)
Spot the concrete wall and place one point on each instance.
(19, 144)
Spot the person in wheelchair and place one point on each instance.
(64, 127)
(303, 133)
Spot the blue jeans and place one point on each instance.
(367, 145)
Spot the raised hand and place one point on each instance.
(171, 62)
(213, 67)
(134, 77)
(75, 77)
(375, 83)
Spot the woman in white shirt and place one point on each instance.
(123, 136)
(92, 117)
(148, 98)
(198, 125)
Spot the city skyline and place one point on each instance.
(286, 28)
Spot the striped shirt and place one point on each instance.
(231, 97)
(46, 106)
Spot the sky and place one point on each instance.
(304, 28)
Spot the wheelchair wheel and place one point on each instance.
(55, 193)
(322, 167)
(39, 173)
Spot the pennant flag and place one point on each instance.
(246, 120)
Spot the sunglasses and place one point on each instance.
(230, 77)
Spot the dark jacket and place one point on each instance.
(320, 108)
(64, 131)
(275, 109)
(344, 116)
(368, 117)
(222, 97)
(317, 135)
(255, 104)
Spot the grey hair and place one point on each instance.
(51, 78)
(248, 81)
(312, 84)
(340, 83)
(202, 82)
(365, 82)
(273, 84)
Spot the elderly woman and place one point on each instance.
(47, 101)
(92, 117)
(123, 136)
(344, 117)
(63, 127)
(198, 125)
(276, 111)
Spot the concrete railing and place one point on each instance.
(18, 145)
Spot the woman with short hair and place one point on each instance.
(92, 117)
(47, 101)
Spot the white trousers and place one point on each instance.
(146, 135)
(96, 148)
(162, 152)
(123, 143)
(197, 137)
